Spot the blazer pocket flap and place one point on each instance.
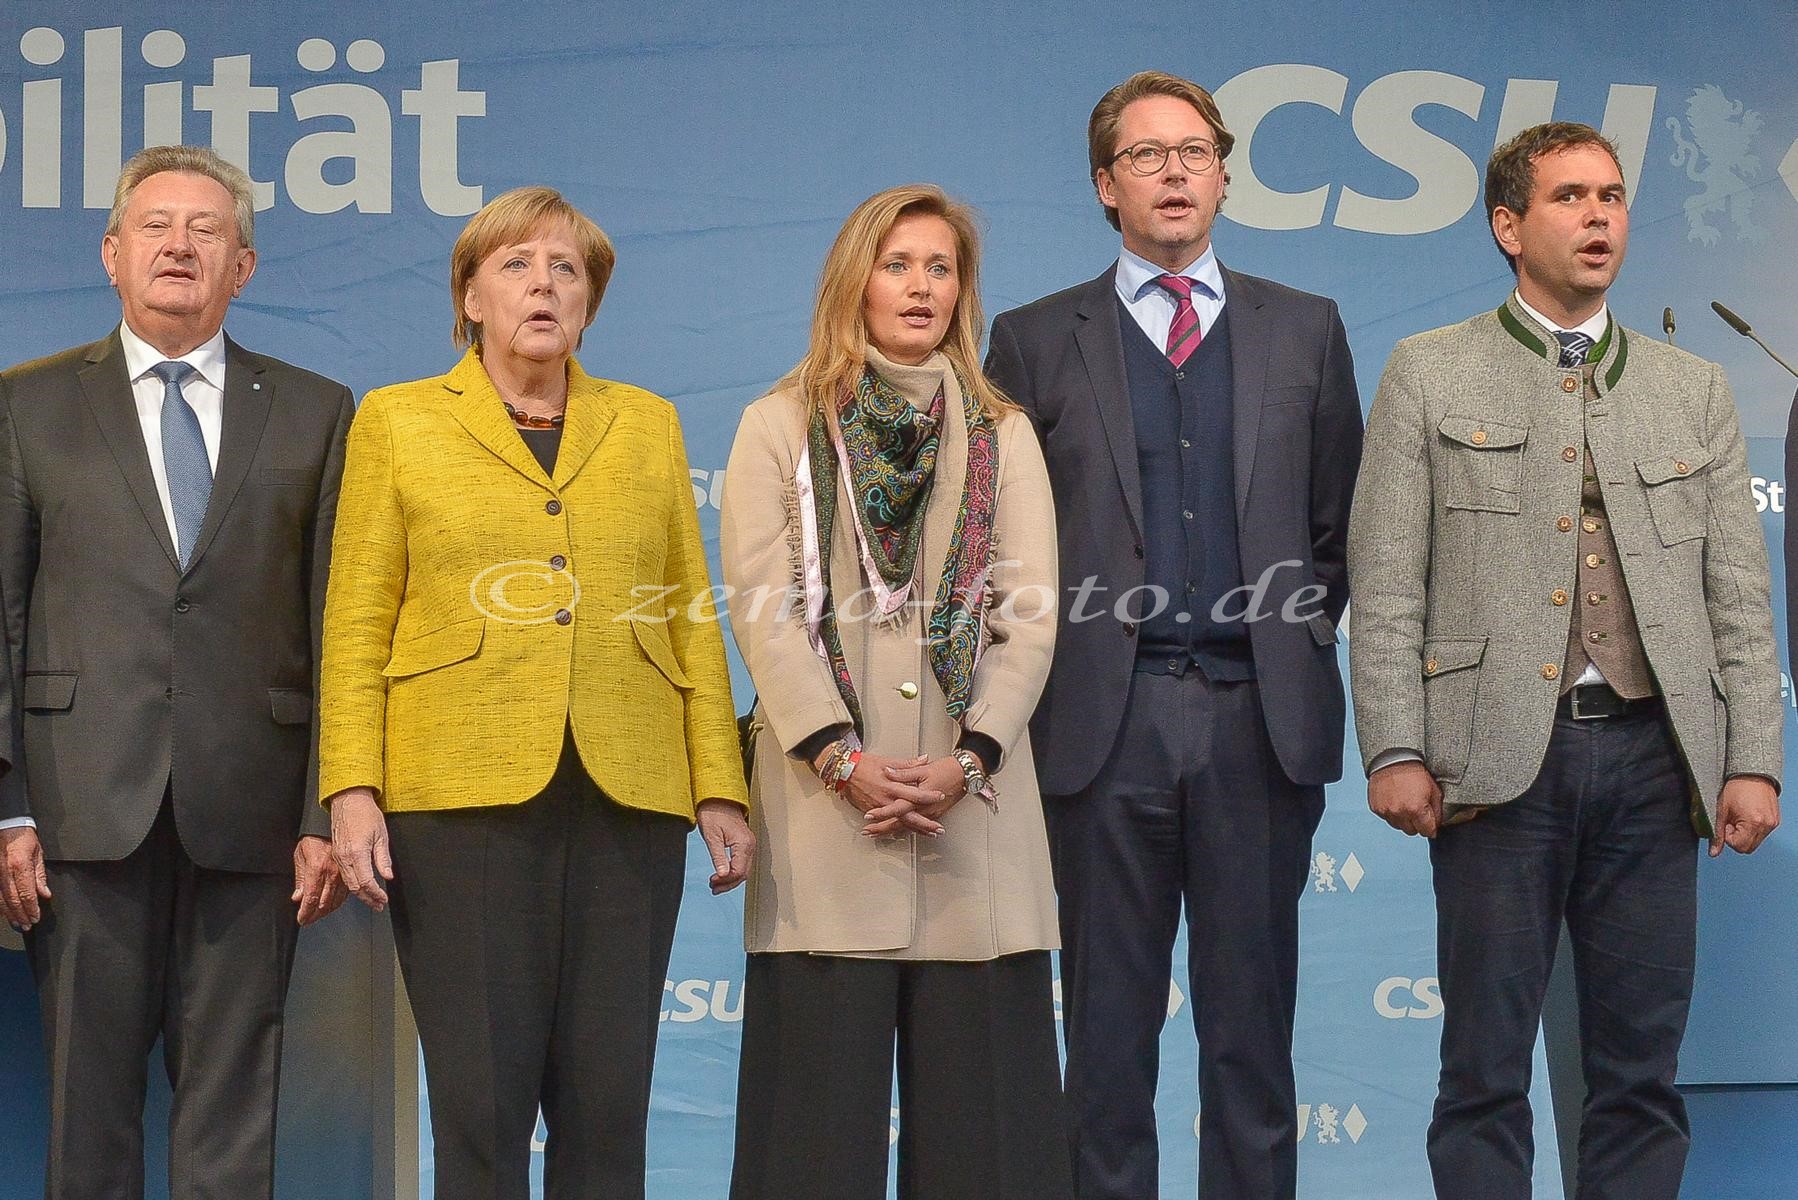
(438, 648)
(290, 476)
(290, 706)
(658, 651)
(1443, 655)
(1322, 631)
(1679, 465)
(50, 690)
(1482, 435)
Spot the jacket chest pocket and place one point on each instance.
(1676, 485)
(1482, 464)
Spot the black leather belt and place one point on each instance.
(1597, 701)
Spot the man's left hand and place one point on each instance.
(317, 887)
(1746, 813)
(725, 831)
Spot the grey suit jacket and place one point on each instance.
(130, 677)
(1297, 443)
(1455, 547)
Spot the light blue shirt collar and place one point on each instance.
(1136, 275)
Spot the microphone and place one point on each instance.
(1740, 326)
(1667, 324)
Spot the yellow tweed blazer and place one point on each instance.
(476, 605)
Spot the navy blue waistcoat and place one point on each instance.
(1185, 451)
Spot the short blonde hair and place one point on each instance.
(511, 218)
(839, 343)
(187, 160)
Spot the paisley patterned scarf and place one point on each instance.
(888, 453)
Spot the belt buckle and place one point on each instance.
(1578, 712)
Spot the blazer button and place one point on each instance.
(1564, 524)
(1479, 437)
(1589, 526)
(1593, 561)
(1558, 596)
(182, 606)
(1681, 467)
(1139, 552)
(1570, 384)
(1570, 454)
(168, 693)
(563, 616)
(908, 690)
(553, 508)
(1429, 666)
(1129, 628)
(1550, 671)
(557, 562)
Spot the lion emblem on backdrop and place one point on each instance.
(1717, 154)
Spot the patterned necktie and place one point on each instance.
(1573, 348)
(183, 457)
(1183, 335)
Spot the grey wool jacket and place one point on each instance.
(1460, 536)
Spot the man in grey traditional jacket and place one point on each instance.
(1561, 628)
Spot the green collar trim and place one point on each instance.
(1520, 331)
(1616, 371)
(1526, 337)
(1603, 345)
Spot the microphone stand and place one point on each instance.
(1740, 326)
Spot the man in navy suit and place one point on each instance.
(1202, 431)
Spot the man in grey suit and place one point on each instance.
(1564, 672)
(166, 501)
(1201, 429)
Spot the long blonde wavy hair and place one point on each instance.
(839, 343)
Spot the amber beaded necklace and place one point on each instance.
(532, 420)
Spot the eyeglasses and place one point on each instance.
(1147, 158)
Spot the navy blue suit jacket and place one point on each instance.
(1298, 446)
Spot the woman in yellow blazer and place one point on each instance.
(524, 708)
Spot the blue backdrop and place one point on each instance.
(721, 146)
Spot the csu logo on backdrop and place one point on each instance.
(708, 488)
(1714, 144)
(1399, 998)
(1383, 117)
(337, 133)
(688, 1001)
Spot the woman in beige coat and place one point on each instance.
(889, 546)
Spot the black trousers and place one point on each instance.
(1603, 839)
(1192, 809)
(155, 945)
(979, 1092)
(534, 942)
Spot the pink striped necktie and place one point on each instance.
(1183, 335)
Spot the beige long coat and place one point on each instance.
(982, 889)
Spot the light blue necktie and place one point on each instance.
(183, 457)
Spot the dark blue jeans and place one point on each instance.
(1603, 838)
